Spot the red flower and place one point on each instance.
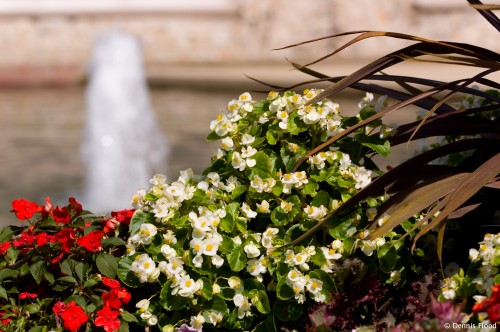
(26, 239)
(23, 208)
(26, 295)
(42, 239)
(123, 216)
(66, 237)
(107, 318)
(111, 300)
(73, 316)
(491, 305)
(91, 241)
(4, 247)
(75, 206)
(111, 283)
(61, 215)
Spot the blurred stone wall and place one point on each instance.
(246, 32)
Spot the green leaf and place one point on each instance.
(3, 293)
(138, 219)
(213, 137)
(283, 291)
(382, 149)
(81, 270)
(207, 291)
(89, 283)
(107, 265)
(287, 310)
(329, 285)
(7, 274)
(37, 269)
(310, 187)
(264, 166)
(272, 137)
(237, 259)
(322, 198)
(266, 325)
(237, 191)
(32, 308)
(128, 317)
(68, 280)
(112, 242)
(387, 257)
(261, 302)
(295, 124)
(125, 275)
(7, 232)
(171, 302)
(123, 326)
(68, 266)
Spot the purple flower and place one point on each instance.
(186, 328)
(446, 312)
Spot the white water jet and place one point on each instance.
(123, 145)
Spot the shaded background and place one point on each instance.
(196, 55)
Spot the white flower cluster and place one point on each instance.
(489, 248)
(299, 283)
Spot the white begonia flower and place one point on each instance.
(371, 213)
(367, 247)
(198, 260)
(237, 240)
(379, 242)
(231, 183)
(314, 285)
(315, 212)
(247, 210)
(158, 180)
(345, 162)
(331, 253)
(300, 178)
(174, 266)
(238, 162)
(138, 199)
(316, 162)
(210, 247)
(219, 154)
(251, 250)
(198, 233)
(366, 100)
(278, 104)
(263, 207)
(202, 223)
(248, 152)
(227, 143)
(247, 139)
(362, 177)
(142, 305)
(147, 232)
(143, 267)
(168, 251)
(243, 305)
(234, 282)
(215, 317)
(197, 322)
(396, 277)
(196, 245)
(286, 206)
(257, 183)
(246, 97)
(186, 287)
(473, 254)
(203, 185)
(162, 208)
(169, 237)
(256, 267)
(217, 260)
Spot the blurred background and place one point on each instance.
(196, 54)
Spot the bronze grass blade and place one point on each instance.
(483, 175)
